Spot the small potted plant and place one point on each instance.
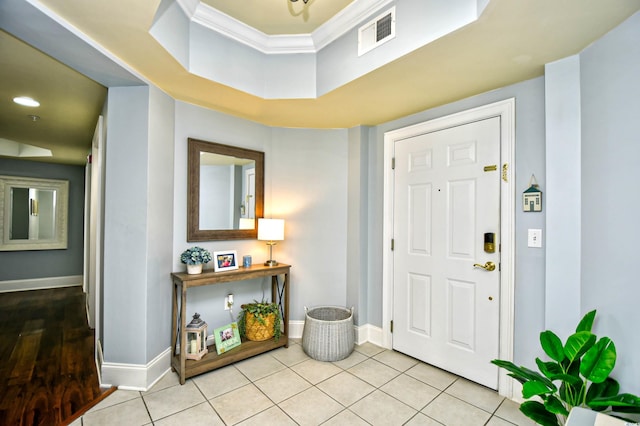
(259, 321)
(194, 258)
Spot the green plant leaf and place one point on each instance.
(607, 389)
(518, 378)
(517, 373)
(549, 369)
(552, 345)
(538, 413)
(522, 374)
(555, 406)
(624, 402)
(586, 323)
(535, 387)
(599, 361)
(578, 343)
(573, 387)
(569, 379)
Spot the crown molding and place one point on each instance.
(230, 27)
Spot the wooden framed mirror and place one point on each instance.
(225, 191)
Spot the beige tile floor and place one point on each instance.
(373, 386)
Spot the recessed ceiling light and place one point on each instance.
(26, 101)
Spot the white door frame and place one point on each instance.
(506, 111)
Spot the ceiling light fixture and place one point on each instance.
(26, 101)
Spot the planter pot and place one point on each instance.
(256, 331)
(194, 269)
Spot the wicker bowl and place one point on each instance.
(256, 331)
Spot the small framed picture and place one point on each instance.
(225, 260)
(226, 337)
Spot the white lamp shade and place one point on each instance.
(271, 229)
(246, 223)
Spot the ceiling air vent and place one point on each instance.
(378, 31)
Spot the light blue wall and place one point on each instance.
(125, 226)
(160, 159)
(357, 227)
(561, 198)
(24, 265)
(309, 174)
(305, 184)
(530, 158)
(138, 222)
(610, 89)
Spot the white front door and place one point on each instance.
(446, 197)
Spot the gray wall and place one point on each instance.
(22, 265)
(610, 102)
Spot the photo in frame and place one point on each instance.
(226, 337)
(225, 260)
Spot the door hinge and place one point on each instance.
(392, 326)
(393, 163)
(393, 244)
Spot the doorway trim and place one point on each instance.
(506, 111)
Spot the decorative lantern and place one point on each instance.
(196, 338)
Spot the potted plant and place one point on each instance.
(576, 376)
(194, 258)
(259, 321)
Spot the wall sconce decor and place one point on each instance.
(271, 230)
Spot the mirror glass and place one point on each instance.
(33, 213)
(225, 191)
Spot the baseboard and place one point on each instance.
(134, 376)
(516, 392)
(369, 333)
(143, 377)
(295, 329)
(364, 333)
(40, 283)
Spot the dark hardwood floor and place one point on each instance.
(47, 369)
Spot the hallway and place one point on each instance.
(47, 369)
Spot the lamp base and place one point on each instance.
(271, 263)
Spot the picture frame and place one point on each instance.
(225, 260)
(226, 337)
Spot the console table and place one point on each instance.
(182, 282)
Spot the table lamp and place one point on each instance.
(271, 230)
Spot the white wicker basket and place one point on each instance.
(328, 333)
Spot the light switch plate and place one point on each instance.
(534, 238)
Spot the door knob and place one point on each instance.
(489, 266)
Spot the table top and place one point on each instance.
(210, 277)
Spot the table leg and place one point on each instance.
(183, 336)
